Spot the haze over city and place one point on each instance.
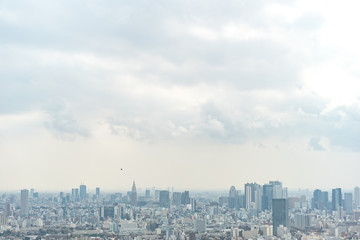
(183, 94)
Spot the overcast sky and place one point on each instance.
(183, 94)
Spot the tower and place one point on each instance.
(336, 199)
(24, 202)
(82, 192)
(279, 213)
(133, 195)
(357, 196)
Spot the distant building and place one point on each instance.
(164, 200)
(176, 198)
(193, 205)
(279, 213)
(147, 194)
(97, 192)
(253, 196)
(185, 198)
(348, 203)
(24, 202)
(133, 195)
(336, 199)
(357, 196)
(82, 192)
(320, 200)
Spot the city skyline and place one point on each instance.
(206, 94)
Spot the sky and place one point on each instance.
(184, 94)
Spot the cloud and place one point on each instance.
(314, 144)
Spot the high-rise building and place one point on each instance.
(176, 199)
(320, 200)
(97, 192)
(164, 199)
(133, 195)
(193, 205)
(233, 196)
(82, 192)
(185, 198)
(336, 199)
(348, 203)
(253, 196)
(7, 210)
(357, 196)
(279, 213)
(267, 197)
(24, 202)
(147, 194)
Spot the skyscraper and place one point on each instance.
(232, 202)
(279, 213)
(253, 196)
(24, 202)
(320, 200)
(336, 199)
(348, 203)
(357, 196)
(133, 195)
(97, 192)
(82, 192)
(267, 197)
(164, 200)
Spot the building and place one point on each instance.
(24, 202)
(253, 196)
(348, 203)
(185, 198)
(164, 199)
(199, 225)
(233, 196)
(267, 197)
(147, 194)
(336, 199)
(193, 205)
(320, 200)
(82, 192)
(97, 192)
(133, 199)
(176, 198)
(279, 213)
(357, 196)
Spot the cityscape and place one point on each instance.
(179, 120)
(269, 211)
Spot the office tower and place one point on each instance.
(267, 196)
(233, 195)
(320, 200)
(185, 198)
(7, 210)
(73, 193)
(253, 196)
(32, 193)
(325, 198)
(277, 189)
(336, 199)
(147, 194)
(193, 204)
(357, 196)
(133, 195)
(82, 192)
(176, 199)
(97, 192)
(164, 199)
(348, 203)
(24, 202)
(279, 213)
